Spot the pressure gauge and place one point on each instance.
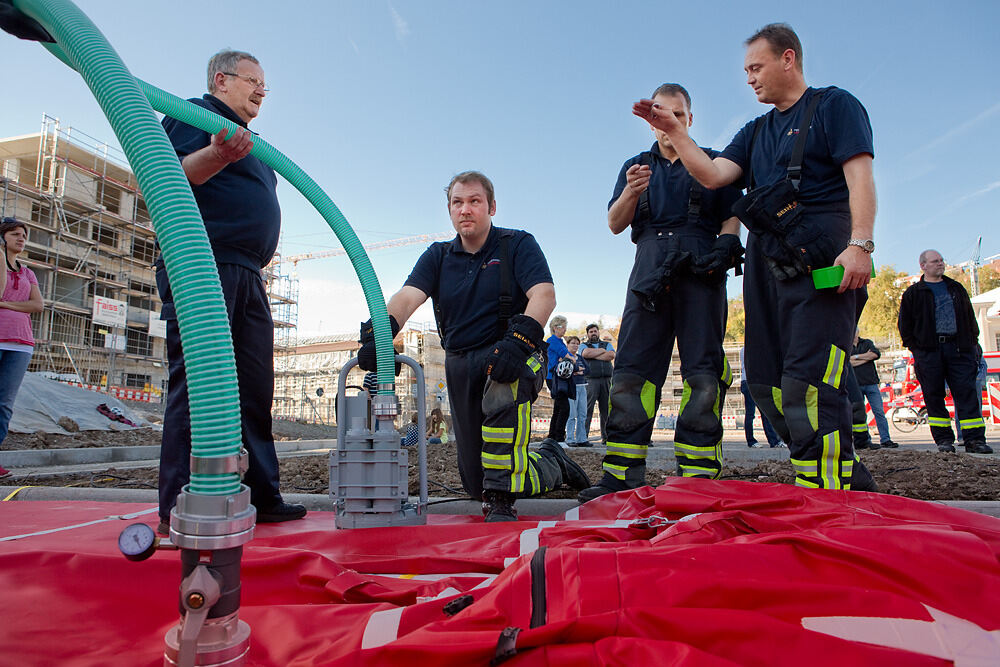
(137, 541)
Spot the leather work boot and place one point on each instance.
(573, 475)
(889, 444)
(498, 506)
(978, 448)
(281, 511)
(608, 484)
(861, 478)
(946, 448)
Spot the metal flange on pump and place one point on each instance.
(213, 517)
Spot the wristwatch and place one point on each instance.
(867, 245)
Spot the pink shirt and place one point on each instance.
(15, 327)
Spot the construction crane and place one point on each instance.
(379, 245)
(975, 267)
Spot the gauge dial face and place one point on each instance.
(137, 542)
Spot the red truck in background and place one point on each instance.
(906, 410)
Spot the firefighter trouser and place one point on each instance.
(798, 340)
(859, 418)
(493, 425)
(958, 367)
(693, 312)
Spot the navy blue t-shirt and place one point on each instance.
(669, 195)
(466, 287)
(944, 309)
(240, 203)
(839, 131)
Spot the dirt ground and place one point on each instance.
(925, 475)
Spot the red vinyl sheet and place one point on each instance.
(695, 572)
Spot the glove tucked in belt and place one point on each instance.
(727, 251)
(676, 263)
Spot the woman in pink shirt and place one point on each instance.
(19, 297)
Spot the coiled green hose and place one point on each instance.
(210, 122)
(201, 313)
(201, 309)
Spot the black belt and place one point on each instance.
(945, 339)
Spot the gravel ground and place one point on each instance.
(925, 475)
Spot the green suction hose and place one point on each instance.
(201, 309)
(210, 122)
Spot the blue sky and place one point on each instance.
(382, 102)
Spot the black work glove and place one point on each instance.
(648, 288)
(523, 337)
(366, 355)
(726, 252)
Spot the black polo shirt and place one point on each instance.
(866, 372)
(839, 131)
(669, 197)
(466, 287)
(240, 203)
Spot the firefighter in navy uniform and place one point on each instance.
(686, 239)
(805, 210)
(938, 324)
(491, 289)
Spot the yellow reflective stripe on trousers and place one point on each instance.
(807, 468)
(776, 397)
(812, 406)
(859, 428)
(618, 472)
(533, 472)
(972, 423)
(698, 471)
(627, 450)
(829, 462)
(801, 481)
(695, 452)
(517, 478)
(495, 461)
(727, 372)
(648, 398)
(834, 367)
(941, 422)
(498, 434)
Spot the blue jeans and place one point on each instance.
(576, 426)
(12, 368)
(874, 397)
(751, 408)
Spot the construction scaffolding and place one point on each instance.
(92, 246)
(90, 243)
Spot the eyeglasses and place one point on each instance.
(256, 83)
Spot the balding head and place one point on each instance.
(932, 265)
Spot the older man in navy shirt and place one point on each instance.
(236, 196)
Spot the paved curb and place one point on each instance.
(35, 458)
(321, 503)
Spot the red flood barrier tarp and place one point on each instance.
(695, 572)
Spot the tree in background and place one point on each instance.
(989, 278)
(735, 321)
(878, 321)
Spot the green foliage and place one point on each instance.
(989, 278)
(736, 321)
(878, 321)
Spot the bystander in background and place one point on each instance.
(19, 297)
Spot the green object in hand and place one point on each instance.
(831, 276)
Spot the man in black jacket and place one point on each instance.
(938, 325)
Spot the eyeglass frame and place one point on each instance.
(253, 81)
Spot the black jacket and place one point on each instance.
(916, 316)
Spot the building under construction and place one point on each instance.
(92, 247)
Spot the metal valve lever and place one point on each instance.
(200, 590)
